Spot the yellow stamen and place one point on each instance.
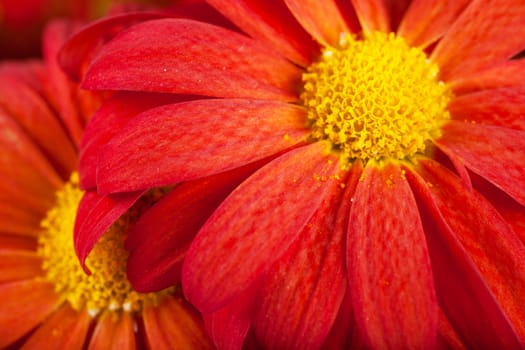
(107, 288)
(375, 98)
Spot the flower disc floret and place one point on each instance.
(375, 98)
(107, 287)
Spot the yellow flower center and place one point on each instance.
(107, 288)
(375, 98)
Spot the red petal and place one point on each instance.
(114, 331)
(512, 211)
(27, 108)
(487, 33)
(495, 153)
(79, 49)
(184, 56)
(272, 23)
(389, 271)
(428, 20)
(96, 213)
(373, 15)
(24, 305)
(229, 325)
(185, 141)
(304, 289)
(107, 122)
(507, 74)
(158, 241)
(478, 262)
(502, 107)
(255, 225)
(448, 337)
(65, 329)
(173, 325)
(313, 17)
(19, 265)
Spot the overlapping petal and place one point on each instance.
(173, 325)
(159, 239)
(228, 326)
(107, 122)
(204, 60)
(64, 329)
(500, 161)
(486, 34)
(373, 15)
(114, 332)
(35, 299)
(252, 222)
(181, 143)
(304, 289)
(507, 74)
(389, 271)
(271, 22)
(503, 107)
(312, 14)
(479, 279)
(426, 21)
(96, 213)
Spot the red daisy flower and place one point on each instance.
(47, 299)
(348, 173)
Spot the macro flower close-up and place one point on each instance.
(336, 174)
(47, 300)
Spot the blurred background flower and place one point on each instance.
(22, 21)
(48, 301)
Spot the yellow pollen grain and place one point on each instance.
(107, 287)
(375, 98)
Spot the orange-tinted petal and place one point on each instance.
(18, 265)
(501, 107)
(173, 325)
(313, 15)
(16, 218)
(24, 305)
(65, 329)
(33, 174)
(271, 22)
(179, 142)
(30, 111)
(114, 331)
(373, 15)
(477, 260)
(495, 153)
(390, 277)
(304, 289)
(486, 34)
(507, 74)
(427, 20)
(255, 225)
(192, 57)
(17, 242)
